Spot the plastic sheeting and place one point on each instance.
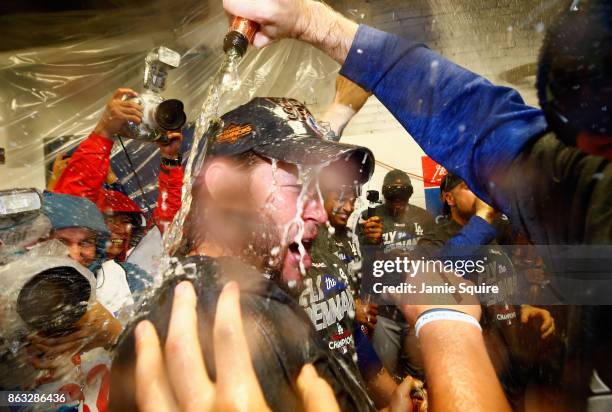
(52, 96)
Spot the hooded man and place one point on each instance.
(254, 216)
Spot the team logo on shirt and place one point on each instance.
(418, 230)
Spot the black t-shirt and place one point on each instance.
(280, 336)
(400, 234)
(498, 270)
(327, 299)
(559, 195)
(344, 244)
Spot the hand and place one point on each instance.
(117, 112)
(372, 229)
(97, 328)
(403, 399)
(278, 19)
(366, 314)
(306, 20)
(111, 177)
(547, 327)
(349, 99)
(485, 211)
(59, 164)
(172, 149)
(177, 379)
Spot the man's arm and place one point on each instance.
(459, 372)
(472, 127)
(89, 165)
(87, 168)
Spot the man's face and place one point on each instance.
(81, 243)
(339, 187)
(120, 227)
(397, 203)
(339, 204)
(462, 199)
(292, 206)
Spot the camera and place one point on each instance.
(21, 223)
(159, 115)
(373, 197)
(41, 289)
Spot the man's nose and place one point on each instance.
(74, 251)
(349, 206)
(314, 210)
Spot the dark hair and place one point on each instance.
(574, 80)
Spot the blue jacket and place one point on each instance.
(488, 136)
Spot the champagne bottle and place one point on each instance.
(240, 34)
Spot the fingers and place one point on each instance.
(131, 109)
(174, 135)
(401, 399)
(194, 391)
(54, 349)
(371, 223)
(261, 40)
(548, 326)
(525, 313)
(153, 392)
(236, 379)
(123, 90)
(316, 394)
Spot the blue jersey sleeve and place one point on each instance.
(476, 233)
(469, 125)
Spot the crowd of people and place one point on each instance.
(267, 303)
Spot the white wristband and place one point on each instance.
(444, 314)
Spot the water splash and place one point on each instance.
(208, 123)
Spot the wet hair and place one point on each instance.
(574, 80)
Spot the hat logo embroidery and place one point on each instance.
(292, 108)
(233, 132)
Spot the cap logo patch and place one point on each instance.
(233, 132)
(292, 108)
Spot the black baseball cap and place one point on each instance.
(449, 182)
(285, 130)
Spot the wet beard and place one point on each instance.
(252, 240)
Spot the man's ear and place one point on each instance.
(224, 182)
(449, 199)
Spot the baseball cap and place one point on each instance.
(394, 175)
(449, 182)
(285, 130)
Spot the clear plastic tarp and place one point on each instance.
(59, 65)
